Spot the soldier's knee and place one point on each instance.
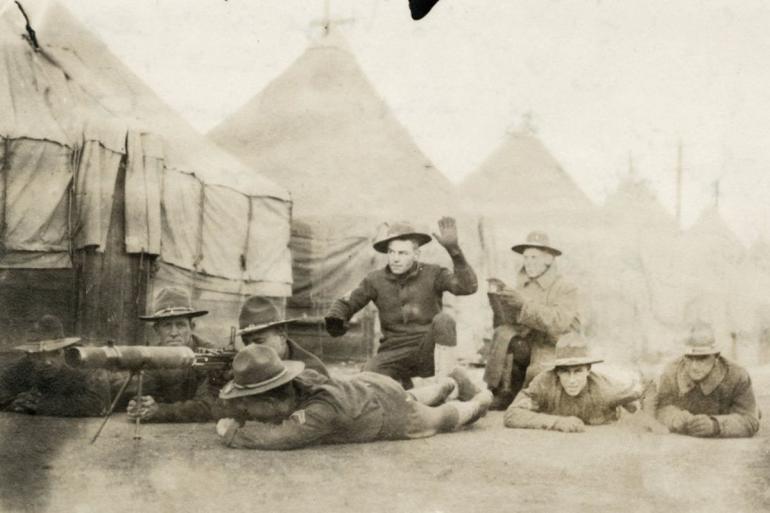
(444, 329)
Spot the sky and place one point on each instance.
(608, 85)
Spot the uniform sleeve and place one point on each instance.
(14, 379)
(82, 395)
(460, 282)
(197, 409)
(345, 307)
(742, 420)
(304, 427)
(525, 413)
(556, 318)
(666, 410)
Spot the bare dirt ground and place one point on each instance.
(47, 465)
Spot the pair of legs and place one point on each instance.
(507, 365)
(431, 413)
(418, 360)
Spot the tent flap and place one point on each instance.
(143, 181)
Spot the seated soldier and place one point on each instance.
(571, 395)
(704, 394)
(295, 409)
(40, 382)
(528, 319)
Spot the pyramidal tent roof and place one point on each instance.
(321, 130)
(93, 78)
(635, 204)
(710, 233)
(521, 175)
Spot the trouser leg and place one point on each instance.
(436, 353)
(435, 393)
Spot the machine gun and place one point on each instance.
(137, 359)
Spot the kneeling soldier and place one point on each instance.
(570, 395)
(295, 409)
(704, 394)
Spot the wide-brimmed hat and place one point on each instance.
(572, 349)
(172, 302)
(47, 335)
(257, 369)
(539, 240)
(259, 313)
(701, 341)
(400, 230)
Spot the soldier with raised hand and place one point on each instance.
(528, 319)
(409, 297)
(704, 394)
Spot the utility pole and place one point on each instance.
(679, 173)
(326, 22)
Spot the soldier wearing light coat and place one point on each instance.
(529, 319)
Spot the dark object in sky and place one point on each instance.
(420, 8)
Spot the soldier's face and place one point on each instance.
(272, 407)
(53, 359)
(536, 261)
(274, 338)
(698, 367)
(573, 379)
(402, 254)
(176, 331)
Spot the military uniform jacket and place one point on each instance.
(407, 303)
(550, 309)
(364, 408)
(205, 405)
(63, 391)
(725, 394)
(541, 404)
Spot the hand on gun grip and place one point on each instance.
(26, 402)
(144, 410)
(335, 326)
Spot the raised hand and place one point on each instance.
(447, 235)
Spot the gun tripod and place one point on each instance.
(134, 373)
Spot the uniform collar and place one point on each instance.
(545, 280)
(708, 384)
(414, 271)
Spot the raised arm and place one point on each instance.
(462, 280)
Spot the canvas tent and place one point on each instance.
(321, 130)
(107, 194)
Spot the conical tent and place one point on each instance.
(321, 130)
(107, 194)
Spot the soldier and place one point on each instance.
(40, 382)
(571, 395)
(261, 323)
(704, 394)
(174, 392)
(528, 319)
(408, 295)
(295, 409)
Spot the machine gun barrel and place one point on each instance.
(130, 358)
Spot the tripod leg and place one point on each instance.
(137, 436)
(112, 407)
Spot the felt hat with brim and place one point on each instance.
(572, 349)
(46, 335)
(701, 341)
(172, 302)
(539, 240)
(259, 313)
(400, 230)
(256, 370)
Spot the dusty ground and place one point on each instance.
(47, 464)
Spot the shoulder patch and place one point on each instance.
(298, 417)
